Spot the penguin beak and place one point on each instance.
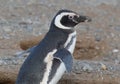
(80, 18)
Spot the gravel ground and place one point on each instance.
(27, 19)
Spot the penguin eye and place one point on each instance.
(70, 17)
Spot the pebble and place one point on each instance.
(98, 38)
(1, 37)
(115, 50)
(117, 28)
(6, 36)
(87, 68)
(117, 61)
(7, 29)
(103, 66)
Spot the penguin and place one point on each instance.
(53, 56)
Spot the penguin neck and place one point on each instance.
(70, 36)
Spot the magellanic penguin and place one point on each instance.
(53, 55)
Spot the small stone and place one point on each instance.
(7, 29)
(96, 47)
(103, 66)
(6, 37)
(1, 62)
(1, 37)
(115, 51)
(87, 68)
(98, 38)
(117, 28)
(117, 62)
(112, 35)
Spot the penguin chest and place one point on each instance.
(70, 42)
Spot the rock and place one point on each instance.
(87, 68)
(6, 36)
(103, 66)
(115, 50)
(7, 29)
(26, 25)
(117, 28)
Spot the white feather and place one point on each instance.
(59, 74)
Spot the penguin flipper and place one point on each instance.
(66, 57)
(26, 52)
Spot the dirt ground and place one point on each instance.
(24, 22)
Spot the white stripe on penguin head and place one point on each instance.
(58, 19)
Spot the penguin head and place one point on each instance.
(67, 19)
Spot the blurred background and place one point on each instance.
(25, 21)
